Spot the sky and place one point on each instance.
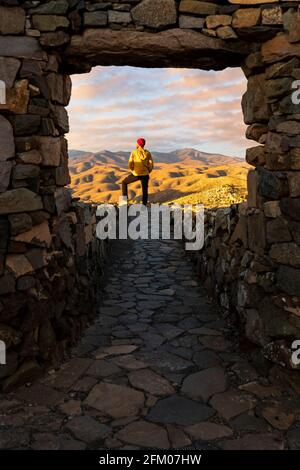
(171, 108)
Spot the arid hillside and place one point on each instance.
(185, 176)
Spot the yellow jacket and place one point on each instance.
(140, 162)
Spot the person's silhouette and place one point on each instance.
(140, 164)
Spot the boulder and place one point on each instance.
(50, 150)
(12, 20)
(154, 13)
(19, 200)
(49, 22)
(246, 18)
(5, 171)
(254, 102)
(95, 18)
(197, 7)
(54, 7)
(7, 145)
(21, 48)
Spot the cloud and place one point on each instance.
(171, 108)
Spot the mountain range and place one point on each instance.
(185, 176)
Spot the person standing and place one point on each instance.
(140, 165)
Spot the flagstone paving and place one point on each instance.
(160, 368)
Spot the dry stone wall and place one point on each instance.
(47, 248)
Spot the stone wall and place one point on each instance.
(247, 267)
(49, 287)
(43, 233)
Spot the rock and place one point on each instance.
(293, 438)
(117, 401)
(272, 16)
(27, 372)
(87, 429)
(20, 48)
(26, 124)
(279, 48)
(272, 209)
(19, 200)
(49, 22)
(45, 441)
(54, 7)
(176, 42)
(10, 336)
(190, 22)
(130, 363)
(7, 284)
(17, 98)
(7, 146)
(119, 350)
(254, 101)
(278, 418)
(217, 343)
(214, 21)
(202, 385)
(19, 223)
(38, 235)
(277, 231)
(290, 207)
(197, 7)
(286, 253)
(177, 437)
(26, 282)
(179, 410)
(5, 171)
(95, 18)
(208, 431)
(261, 391)
(60, 88)
(50, 150)
(21, 172)
(232, 403)
(226, 32)
(12, 20)
(103, 369)
(256, 232)
(8, 70)
(143, 434)
(150, 382)
(69, 373)
(268, 441)
(154, 13)
(61, 118)
(205, 359)
(119, 17)
(294, 184)
(256, 156)
(32, 157)
(54, 39)
(18, 265)
(246, 18)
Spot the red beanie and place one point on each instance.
(141, 142)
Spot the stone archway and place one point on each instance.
(252, 258)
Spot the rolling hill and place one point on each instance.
(186, 176)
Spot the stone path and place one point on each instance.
(160, 369)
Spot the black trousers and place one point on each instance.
(131, 179)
